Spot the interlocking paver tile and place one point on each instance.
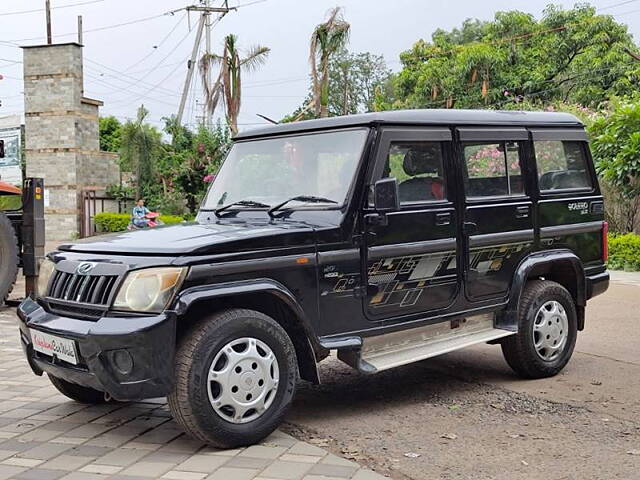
(121, 457)
(302, 448)
(8, 471)
(178, 475)
(248, 462)
(226, 473)
(102, 469)
(40, 474)
(67, 462)
(286, 470)
(45, 451)
(22, 462)
(148, 469)
(289, 457)
(333, 470)
(202, 463)
(262, 451)
(83, 476)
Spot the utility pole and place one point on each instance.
(47, 7)
(205, 15)
(206, 114)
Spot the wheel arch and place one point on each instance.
(561, 266)
(263, 295)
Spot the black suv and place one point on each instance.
(387, 237)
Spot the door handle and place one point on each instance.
(443, 218)
(522, 212)
(469, 228)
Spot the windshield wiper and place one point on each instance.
(241, 203)
(300, 198)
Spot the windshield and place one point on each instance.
(271, 171)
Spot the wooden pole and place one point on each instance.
(48, 10)
(80, 29)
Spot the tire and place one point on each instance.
(8, 257)
(77, 392)
(207, 407)
(520, 350)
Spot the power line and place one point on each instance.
(616, 5)
(98, 29)
(156, 47)
(36, 10)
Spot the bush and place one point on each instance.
(624, 252)
(117, 222)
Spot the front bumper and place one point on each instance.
(149, 341)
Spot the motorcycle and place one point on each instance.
(151, 220)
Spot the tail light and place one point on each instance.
(605, 241)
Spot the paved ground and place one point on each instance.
(44, 436)
(466, 416)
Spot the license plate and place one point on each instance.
(53, 346)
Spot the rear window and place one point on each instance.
(561, 165)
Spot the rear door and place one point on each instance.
(498, 209)
(412, 258)
(571, 208)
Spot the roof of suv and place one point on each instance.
(423, 117)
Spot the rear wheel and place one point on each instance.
(235, 377)
(77, 392)
(547, 331)
(8, 257)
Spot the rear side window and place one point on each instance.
(561, 165)
(419, 169)
(493, 169)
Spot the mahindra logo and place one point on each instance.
(84, 268)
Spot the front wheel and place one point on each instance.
(234, 378)
(547, 331)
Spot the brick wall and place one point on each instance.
(61, 135)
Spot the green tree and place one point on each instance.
(357, 79)
(229, 82)
(110, 132)
(575, 56)
(141, 146)
(615, 143)
(327, 39)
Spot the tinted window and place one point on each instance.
(493, 169)
(419, 169)
(561, 165)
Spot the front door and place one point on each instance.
(498, 211)
(411, 260)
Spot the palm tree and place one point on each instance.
(327, 38)
(229, 82)
(139, 146)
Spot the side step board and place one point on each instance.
(400, 348)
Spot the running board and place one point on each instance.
(400, 348)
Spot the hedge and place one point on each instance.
(624, 252)
(117, 222)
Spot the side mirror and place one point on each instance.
(385, 195)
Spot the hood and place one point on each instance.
(198, 239)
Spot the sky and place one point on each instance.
(137, 53)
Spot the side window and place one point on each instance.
(419, 169)
(561, 165)
(493, 169)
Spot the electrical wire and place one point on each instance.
(36, 10)
(157, 47)
(616, 5)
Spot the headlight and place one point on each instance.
(47, 267)
(149, 290)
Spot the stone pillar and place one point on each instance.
(61, 135)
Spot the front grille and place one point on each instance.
(91, 289)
